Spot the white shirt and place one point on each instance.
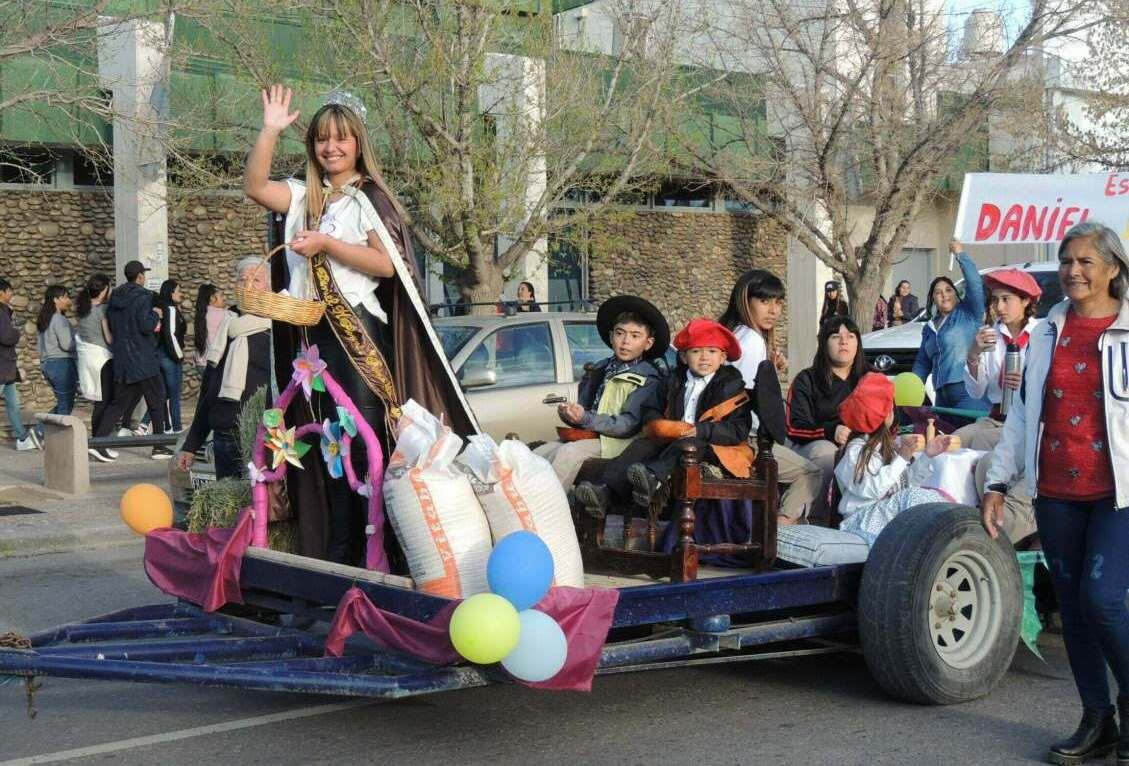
(753, 351)
(342, 220)
(694, 388)
(879, 480)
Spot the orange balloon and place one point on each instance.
(146, 507)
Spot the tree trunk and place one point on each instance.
(485, 289)
(863, 292)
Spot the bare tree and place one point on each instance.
(836, 103)
(51, 83)
(488, 126)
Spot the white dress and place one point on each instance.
(884, 491)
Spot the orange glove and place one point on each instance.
(669, 430)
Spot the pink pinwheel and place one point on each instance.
(308, 366)
(332, 449)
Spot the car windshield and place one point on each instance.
(454, 337)
(1048, 281)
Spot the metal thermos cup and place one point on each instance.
(1012, 363)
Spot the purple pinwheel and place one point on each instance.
(308, 367)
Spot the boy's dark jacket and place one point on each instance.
(727, 433)
(642, 404)
(9, 340)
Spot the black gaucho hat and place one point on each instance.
(645, 310)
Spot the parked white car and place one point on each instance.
(893, 350)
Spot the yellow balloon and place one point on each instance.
(146, 507)
(485, 628)
(909, 391)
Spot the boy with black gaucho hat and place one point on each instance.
(706, 401)
(616, 394)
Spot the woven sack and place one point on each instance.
(433, 509)
(519, 490)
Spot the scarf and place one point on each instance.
(232, 337)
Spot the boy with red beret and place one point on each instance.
(705, 401)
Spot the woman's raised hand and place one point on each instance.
(276, 108)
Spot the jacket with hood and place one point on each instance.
(630, 398)
(171, 335)
(132, 325)
(1017, 453)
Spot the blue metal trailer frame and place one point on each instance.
(718, 619)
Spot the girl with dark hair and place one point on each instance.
(755, 305)
(947, 336)
(833, 303)
(526, 298)
(95, 362)
(903, 305)
(56, 348)
(210, 312)
(815, 429)
(170, 348)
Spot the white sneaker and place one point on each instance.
(111, 452)
(125, 432)
(143, 429)
(25, 444)
(101, 455)
(34, 436)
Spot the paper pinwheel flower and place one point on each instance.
(308, 367)
(365, 490)
(255, 474)
(285, 449)
(348, 425)
(333, 449)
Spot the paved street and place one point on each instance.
(820, 710)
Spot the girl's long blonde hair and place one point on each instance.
(343, 120)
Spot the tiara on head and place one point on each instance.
(349, 101)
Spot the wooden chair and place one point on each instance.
(688, 485)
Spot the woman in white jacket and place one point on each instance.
(1013, 297)
(1069, 434)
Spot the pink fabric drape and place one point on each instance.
(201, 567)
(584, 614)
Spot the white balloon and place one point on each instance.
(541, 650)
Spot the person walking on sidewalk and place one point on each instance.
(134, 322)
(57, 348)
(170, 348)
(95, 362)
(10, 371)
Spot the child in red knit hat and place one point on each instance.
(877, 474)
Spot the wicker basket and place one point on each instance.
(281, 308)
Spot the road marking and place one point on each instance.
(197, 731)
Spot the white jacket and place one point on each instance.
(879, 480)
(987, 380)
(1018, 450)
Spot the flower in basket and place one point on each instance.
(283, 443)
(308, 367)
(333, 449)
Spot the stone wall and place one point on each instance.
(61, 237)
(685, 263)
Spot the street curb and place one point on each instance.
(26, 547)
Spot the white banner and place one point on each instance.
(1014, 208)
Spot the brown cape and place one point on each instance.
(418, 368)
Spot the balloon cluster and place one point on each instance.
(503, 626)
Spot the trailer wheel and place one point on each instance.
(939, 606)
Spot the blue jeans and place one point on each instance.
(225, 450)
(62, 374)
(955, 395)
(1085, 545)
(173, 375)
(12, 404)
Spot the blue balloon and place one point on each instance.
(540, 652)
(520, 569)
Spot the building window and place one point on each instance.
(20, 165)
(677, 193)
(92, 171)
(568, 273)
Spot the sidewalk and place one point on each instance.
(68, 523)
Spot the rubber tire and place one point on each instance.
(894, 600)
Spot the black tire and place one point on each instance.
(912, 616)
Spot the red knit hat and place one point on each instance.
(706, 333)
(865, 410)
(1015, 280)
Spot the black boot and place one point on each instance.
(1096, 736)
(1123, 740)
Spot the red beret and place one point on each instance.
(706, 333)
(865, 410)
(1016, 280)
